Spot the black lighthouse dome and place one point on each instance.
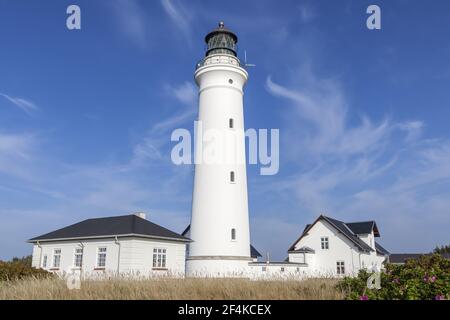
(221, 41)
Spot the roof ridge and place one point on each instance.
(373, 221)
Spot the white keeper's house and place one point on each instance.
(125, 245)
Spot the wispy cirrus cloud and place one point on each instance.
(16, 154)
(179, 16)
(23, 104)
(151, 146)
(132, 21)
(362, 170)
(322, 107)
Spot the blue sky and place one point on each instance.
(86, 116)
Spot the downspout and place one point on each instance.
(82, 258)
(40, 254)
(118, 256)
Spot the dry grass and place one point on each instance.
(163, 289)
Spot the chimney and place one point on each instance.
(141, 215)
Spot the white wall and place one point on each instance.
(218, 205)
(340, 249)
(275, 271)
(136, 257)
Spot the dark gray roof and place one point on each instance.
(111, 226)
(253, 252)
(342, 228)
(363, 227)
(380, 249)
(402, 257)
(304, 250)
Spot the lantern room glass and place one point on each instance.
(221, 43)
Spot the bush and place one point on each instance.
(427, 278)
(20, 269)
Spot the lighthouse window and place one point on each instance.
(232, 178)
(233, 234)
(230, 81)
(231, 123)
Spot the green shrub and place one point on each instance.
(19, 269)
(427, 278)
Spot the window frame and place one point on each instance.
(233, 234)
(340, 267)
(232, 176)
(78, 257)
(159, 258)
(231, 123)
(324, 243)
(44, 261)
(55, 254)
(104, 253)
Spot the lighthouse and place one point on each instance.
(220, 222)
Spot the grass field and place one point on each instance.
(212, 289)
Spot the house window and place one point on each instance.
(231, 123)
(56, 258)
(232, 177)
(233, 234)
(340, 267)
(159, 258)
(44, 261)
(78, 260)
(324, 243)
(101, 257)
(282, 269)
(264, 269)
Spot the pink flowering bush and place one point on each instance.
(427, 278)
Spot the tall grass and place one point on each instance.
(164, 289)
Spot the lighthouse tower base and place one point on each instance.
(218, 267)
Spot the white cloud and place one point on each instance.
(25, 105)
(179, 16)
(307, 13)
(16, 154)
(413, 129)
(132, 21)
(185, 93)
(357, 170)
(322, 107)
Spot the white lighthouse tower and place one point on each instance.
(220, 221)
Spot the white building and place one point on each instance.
(124, 245)
(220, 230)
(132, 246)
(328, 248)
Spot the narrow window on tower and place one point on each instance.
(233, 234)
(231, 123)
(232, 177)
